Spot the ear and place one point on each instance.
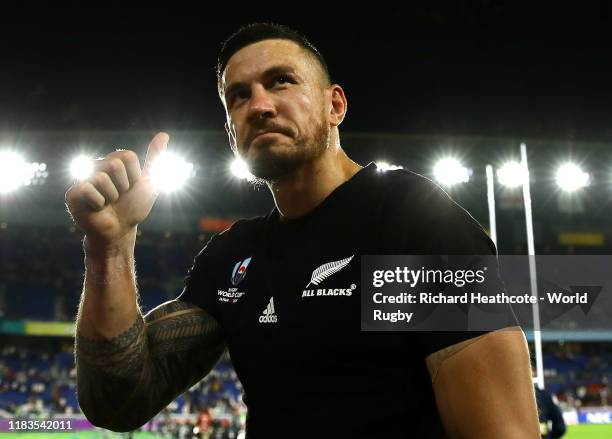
(230, 137)
(338, 106)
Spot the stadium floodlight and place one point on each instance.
(240, 169)
(13, 171)
(37, 174)
(169, 172)
(511, 174)
(570, 177)
(81, 167)
(450, 171)
(385, 166)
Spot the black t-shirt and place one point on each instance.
(306, 367)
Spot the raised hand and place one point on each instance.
(117, 197)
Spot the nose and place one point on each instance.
(261, 104)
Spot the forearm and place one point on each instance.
(110, 345)
(109, 304)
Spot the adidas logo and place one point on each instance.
(268, 315)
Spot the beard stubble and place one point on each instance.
(270, 165)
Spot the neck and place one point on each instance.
(300, 192)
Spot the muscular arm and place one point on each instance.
(130, 367)
(483, 387)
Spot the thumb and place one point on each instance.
(158, 146)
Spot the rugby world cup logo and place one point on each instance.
(239, 272)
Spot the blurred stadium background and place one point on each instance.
(41, 263)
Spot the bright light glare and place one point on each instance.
(240, 170)
(570, 177)
(81, 167)
(169, 172)
(450, 171)
(511, 174)
(384, 166)
(13, 171)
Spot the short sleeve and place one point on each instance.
(199, 287)
(420, 218)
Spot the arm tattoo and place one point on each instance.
(124, 381)
(122, 355)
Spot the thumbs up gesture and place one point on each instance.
(116, 197)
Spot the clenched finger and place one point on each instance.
(130, 162)
(104, 184)
(84, 196)
(115, 169)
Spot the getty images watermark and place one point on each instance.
(484, 293)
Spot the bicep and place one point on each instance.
(484, 388)
(184, 343)
(181, 332)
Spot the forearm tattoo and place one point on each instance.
(122, 355)
(124, 381)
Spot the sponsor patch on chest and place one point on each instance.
(323, 272)
(232, 295)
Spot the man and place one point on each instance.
(552, 424)
(205, 422)
(306, 367)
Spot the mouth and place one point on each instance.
(264, 135)
(267, 133)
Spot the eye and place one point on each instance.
(237, 96)
(242, 94)
(283, 79)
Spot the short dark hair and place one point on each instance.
(256, 32)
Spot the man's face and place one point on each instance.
(276, 102)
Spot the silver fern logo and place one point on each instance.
(326, 270)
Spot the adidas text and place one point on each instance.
(268, 319)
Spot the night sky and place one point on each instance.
(479, 68)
